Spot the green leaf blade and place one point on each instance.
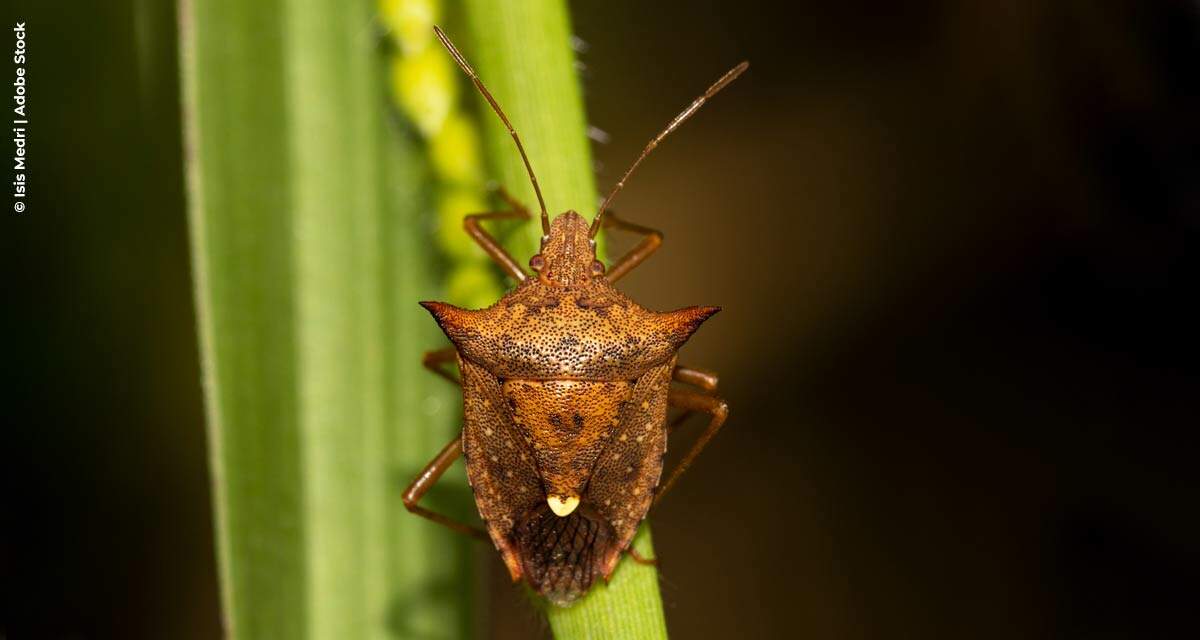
(306, 218)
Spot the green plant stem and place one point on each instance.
(522, 52)
(309, 252)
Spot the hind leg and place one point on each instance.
(640, 559)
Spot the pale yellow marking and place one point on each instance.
(562, 507)
(645, 405)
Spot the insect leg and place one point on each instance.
(649, 244)
(499, 191)
(485, 239)
(640, 559)
(489, 244)
(699, 378)
(687, 400)
(705, 380)
(433, 360)
(429, 477)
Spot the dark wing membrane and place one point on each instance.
(561, 557)
(500, 463)
(628, 470)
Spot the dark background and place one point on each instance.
(956, 245)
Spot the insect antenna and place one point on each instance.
(729, 76)
(466, 67)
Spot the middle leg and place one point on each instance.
(425, 481)
(706, 381)
(691, 401)
(434, 361)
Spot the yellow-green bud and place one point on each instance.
(410, 22)
(425, 86)
(473, 286)
(454, 205)
(455, 151)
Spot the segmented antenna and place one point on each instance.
(466, 67)
(729, 76)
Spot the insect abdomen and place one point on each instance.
(523, 442)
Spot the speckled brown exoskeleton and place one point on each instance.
(566, 388)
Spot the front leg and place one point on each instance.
(650, 243)
(488, 243)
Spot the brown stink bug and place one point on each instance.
(566, 386)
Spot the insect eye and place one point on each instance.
(537, 262)
(597, 268)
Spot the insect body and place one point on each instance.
(566, 388)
